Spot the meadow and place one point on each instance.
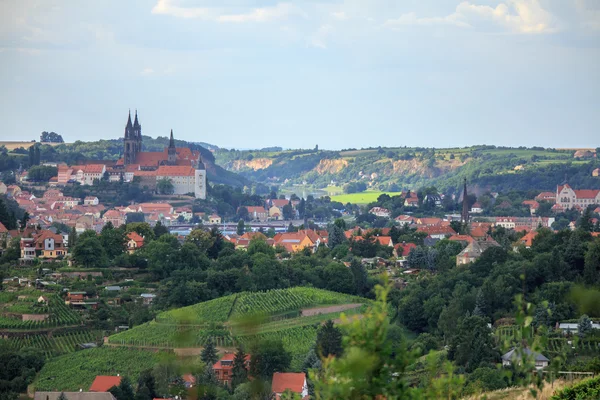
(361, 198)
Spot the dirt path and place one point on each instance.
(308, 312)
(181, 351)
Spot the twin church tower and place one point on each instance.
(181, 165)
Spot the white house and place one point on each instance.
(514, 356)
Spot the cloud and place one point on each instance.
(319, 38)
(339, 15)
(517, 16)
(147, 71)
(262, 14)
(412, 19)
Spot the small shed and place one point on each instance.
(515, 356)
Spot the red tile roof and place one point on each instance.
(136, 238)
(436, 230)
(405, 247)
(175, 170)
(102, 383)
(3, 228)
(282, 381)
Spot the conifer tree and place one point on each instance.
(239, 372)
(209, 353)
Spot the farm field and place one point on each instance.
(361, 198)
(10, 145)
(244, 318)
(59, 315)
(77, 370)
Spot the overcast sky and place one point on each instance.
(340, 74)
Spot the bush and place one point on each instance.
(488, 379)
(588, 389)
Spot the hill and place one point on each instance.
(292, 315)
(111, 149)
(391, 169)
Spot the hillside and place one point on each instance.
(112, 149)
(485, 167)
(292, 315)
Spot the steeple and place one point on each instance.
(465, 205)
(136, 123)
(172, 152)
(129, 120)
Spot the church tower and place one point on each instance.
(172, 151)
(132, 142)
(200, 179)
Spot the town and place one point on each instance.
(83, 276)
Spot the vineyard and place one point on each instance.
(77, 370)
(58, 344)
(59, 315)
(223, 320)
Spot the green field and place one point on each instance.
(77, 370)
(361, 198)
(242, 318)
(59, 343)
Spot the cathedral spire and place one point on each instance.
(129, 119)
(172, 141)
(135, 122)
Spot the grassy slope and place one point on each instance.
(361, 198)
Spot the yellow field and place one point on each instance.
(10, 146)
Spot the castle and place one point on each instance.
(180, 165)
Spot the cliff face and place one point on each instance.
(328, 166)
(244, 165)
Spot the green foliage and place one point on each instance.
(59, 315)
(41, 173)
(77, 370)
(269, 356)
(588, 389)
(165, 186)
(329, 340)
(209, 353)
(89, 252)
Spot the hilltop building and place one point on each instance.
(181, 165)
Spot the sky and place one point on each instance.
(334, 73)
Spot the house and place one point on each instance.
(134, 242)
(91, 201)
(182, 177)
(573, 327)
(147, 298)
(527, 240)
(297, 241)
(115, 217)
(42, 299)
(42, 244)
(380, 212)
(532, 204)
(412, 200)
(86, 174)
(568, 198)
(223, 368)
(474, 250)
(404, 249)
(506, 222)
(74, 395)
(513, 356)
(476, 208)
(214, 219)
(596, 172)
(155, 208)
(75, 296)
(104, 382)
(384, 241)
(184, 212)
(113, 288)
(546, 196)
(295, 382)
(437, 231)
(257, 213)
(583, 154)
(188, 380)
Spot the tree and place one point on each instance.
(240, 227)
(201, 238)
(329, 340)
(7, 217)
(336, 236)
(584, 326)
(360, 277)
(338, 278)
(113, 240)
(124, 391)
(134, 217)
(591, 269)
(160, 229)
(209, 353)
(72, 238)
(239, 371)
(165, 186)
(269, 356)
(585, 221)
(90, 253)
(146, 381)
(480, 306)
(473, 344)
(288, 212)
(142, 228)
(24, 220)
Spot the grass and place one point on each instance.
(522, 393)
(361, 198)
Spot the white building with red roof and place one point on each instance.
(567, 197)
(294, 382)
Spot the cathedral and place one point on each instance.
(182, 166)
